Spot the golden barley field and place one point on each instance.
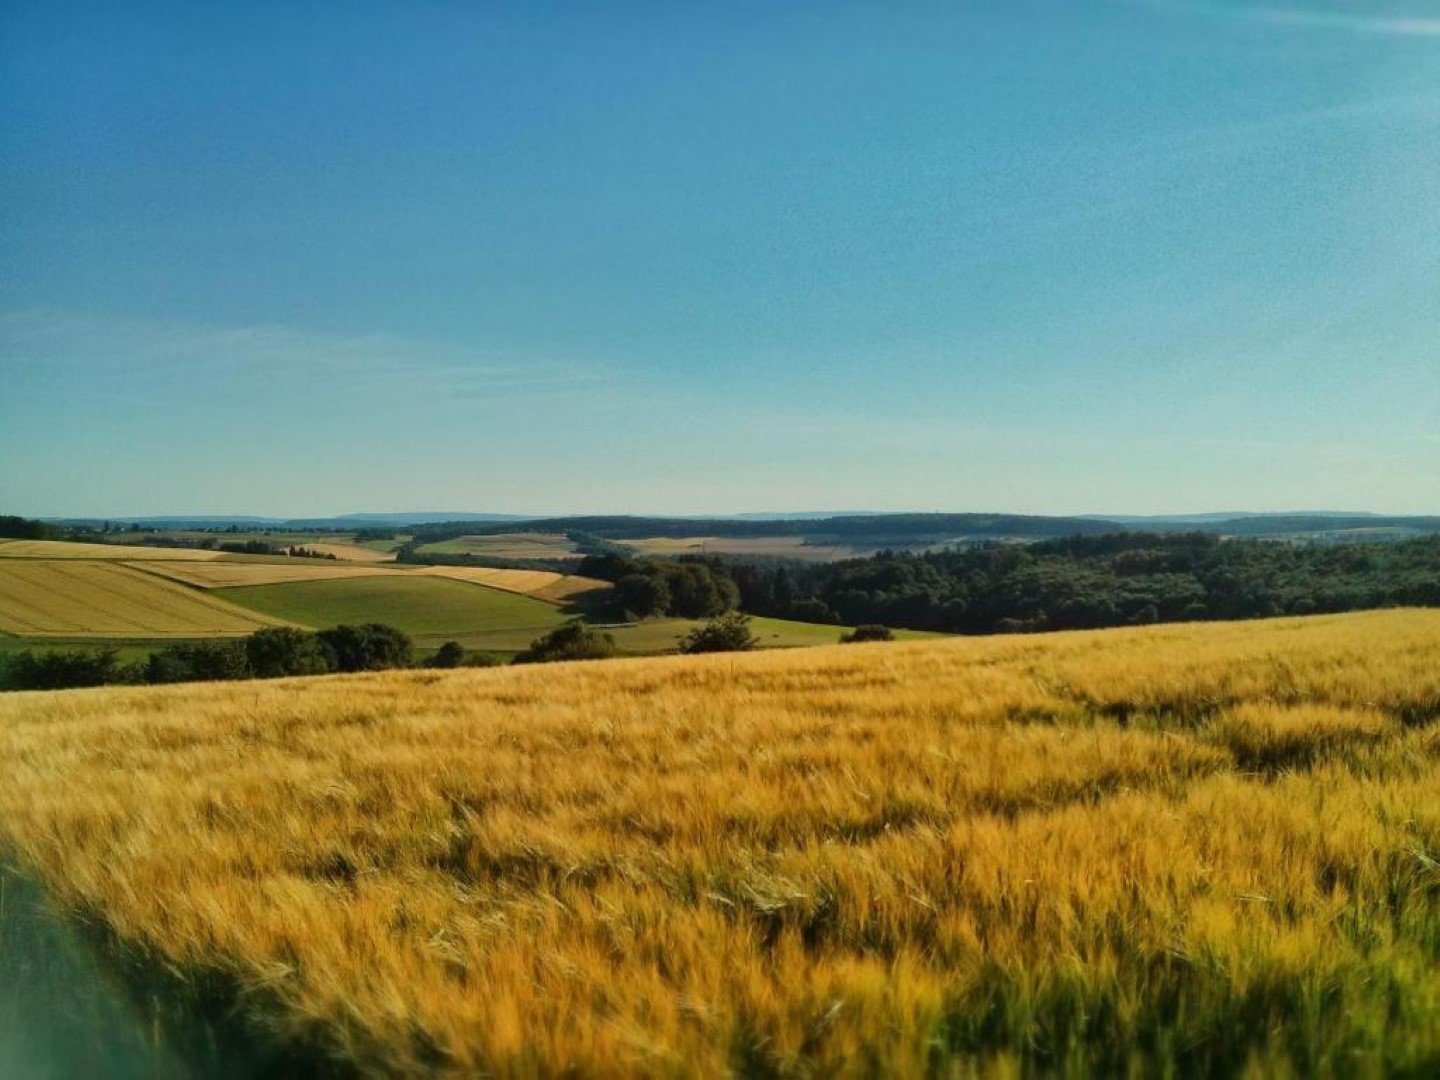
(58, 597)
(1197, 849)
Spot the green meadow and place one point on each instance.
(427, 608)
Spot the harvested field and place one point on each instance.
(64, 549)
(352, 552)
(64, 598)
(1205, 849)
(222, 575)
(544, 584)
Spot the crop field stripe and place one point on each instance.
(353, 553)
(174, 599)
(103, 597)
(71, 586)
(64, 549)
(546, 585)
(525, 582)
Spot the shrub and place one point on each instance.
(483, 659)
(728, 633)
(640, 595)
(205, 661)
(283, 650)
(52, 670)
(811, 610)
(453, 655)
(868, 632)
(449, 655)
(371, 647)
(573, 641)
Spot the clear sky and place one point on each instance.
(304, 258)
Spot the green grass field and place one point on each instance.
(129, 650)
(427, 608)
(663, 635)
(383, 546)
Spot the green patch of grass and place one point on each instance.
(128, 650)
(381, 545)
(783, 633)
(663, 635)
(426, 607)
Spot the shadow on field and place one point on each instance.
(73, 1004)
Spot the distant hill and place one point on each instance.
(861, 527)
(906, 529)
(370, 521)
(1280, 525)
(337, 523)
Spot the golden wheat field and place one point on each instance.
(47, 598)
(351, 552)
(545, 584)
(1203, 848)
(68, 549)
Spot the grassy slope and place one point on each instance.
(426, 607)
(220, 575)
(103, 598)
(433, 604)
(1206, 847)
(663, 635)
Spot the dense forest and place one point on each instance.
(1079, 582)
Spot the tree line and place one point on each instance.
(19, 528)
(1079, 582)
(277, 652)
(1084, 582)
(266, 654)
(683, 588)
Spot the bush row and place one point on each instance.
(280, 651)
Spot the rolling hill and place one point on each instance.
(1206, 849)
(65, 598)
(56, 593)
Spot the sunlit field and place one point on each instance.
(1198, 847)
(48, 598)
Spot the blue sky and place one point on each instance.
(302, 258)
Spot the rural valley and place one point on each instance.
(723, 540)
